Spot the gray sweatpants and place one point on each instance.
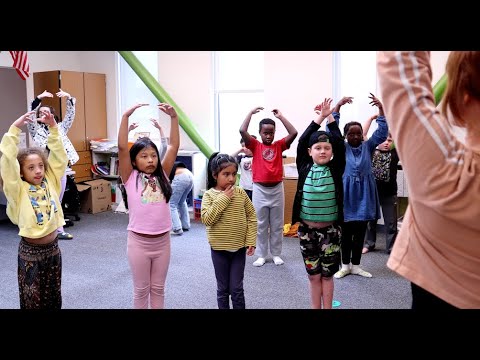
(269, 204)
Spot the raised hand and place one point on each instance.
(45, 94)
(256, 110)
(168, 109)
(375, 101)
(62, 93)
(25, 118)
(156, 124)
(132, 109)
(324, 109)
(277, 113)
(345, 100)
(133, 126)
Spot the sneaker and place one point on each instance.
(176, 232)
(259, 262)
(64, 236)
(365, 250)
(341, 273)
(358, 271)
(278, 260)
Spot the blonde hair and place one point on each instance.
(463, 77)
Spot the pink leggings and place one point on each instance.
(149, 258)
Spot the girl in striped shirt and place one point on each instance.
(226, 207)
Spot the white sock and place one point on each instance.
(355, 268)
(346, 267)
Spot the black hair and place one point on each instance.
(243, 141)
(211, 182)
(176, 165)
(349, 125)
(265, 121)
(138, 146)
(216, 163)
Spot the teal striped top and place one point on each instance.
(318, 201)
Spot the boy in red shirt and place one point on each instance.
(268, 193)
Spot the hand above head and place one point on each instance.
(168, 109)
(62, 93)
(45, 94)
(277, 113)
(133, 126)
(345, 100)
(324, 109)
(375, 101)
(156, 124)
(132, 109)
(256, 110)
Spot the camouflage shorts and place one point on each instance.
(320, 249)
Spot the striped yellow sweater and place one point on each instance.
(231, 222)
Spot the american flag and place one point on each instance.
(20, 63)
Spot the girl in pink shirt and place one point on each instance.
(148, 192)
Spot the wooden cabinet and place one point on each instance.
(90, 110)
(82, 167)
(290, 188)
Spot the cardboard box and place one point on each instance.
(95, 196)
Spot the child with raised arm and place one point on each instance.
(318, 203)
(148, 193)
(224, 207)
(244, 158)
(32, 184)
(268, 192)
(437, 248)
(360, 197)
(39, 133)
(384, 167)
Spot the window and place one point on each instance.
(135, 91)
(238, 83)
(355, 74)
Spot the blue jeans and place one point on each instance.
(182, 184)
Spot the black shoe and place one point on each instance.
(64, 236)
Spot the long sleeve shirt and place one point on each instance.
(22, 209)
(360, 196)
(39, 132)
(438, 246)
(231, 222)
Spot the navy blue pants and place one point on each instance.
(229, 270)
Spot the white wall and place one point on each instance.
(187, 77)
(438, 59)
(296, 81)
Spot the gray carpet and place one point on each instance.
(96, 274)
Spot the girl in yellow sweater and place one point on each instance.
(31, 184)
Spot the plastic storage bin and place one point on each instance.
(197, 208)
